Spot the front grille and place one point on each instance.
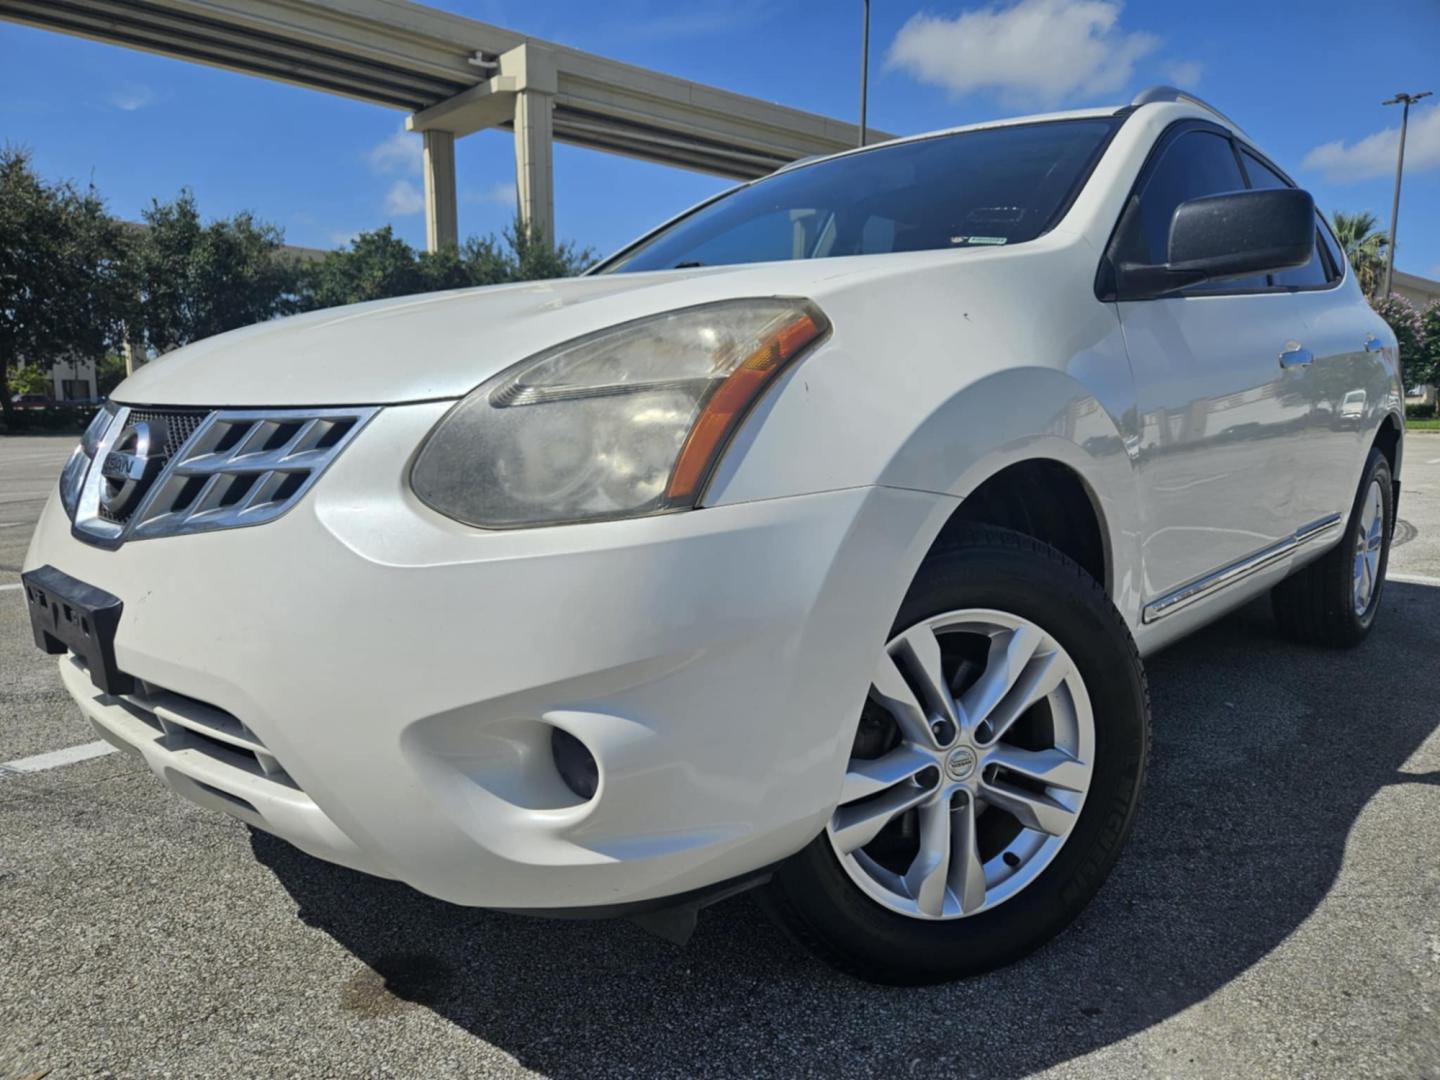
(178, 425)
(188, 724)
(216, 469)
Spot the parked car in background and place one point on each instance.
(31, 401)
(813, 542)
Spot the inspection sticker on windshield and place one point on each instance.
(979, 239)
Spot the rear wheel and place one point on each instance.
(994, 774)
(1333, 600)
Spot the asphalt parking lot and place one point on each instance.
(1277, 912)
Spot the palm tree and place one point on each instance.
(1364, 246)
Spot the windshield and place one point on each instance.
(1001, 185)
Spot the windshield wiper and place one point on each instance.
(687, 265)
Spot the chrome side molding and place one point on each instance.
(1213, 582)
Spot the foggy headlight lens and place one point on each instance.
(72, 477)
(627, 421)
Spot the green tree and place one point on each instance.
(378, 265)
(192, 280)
(529, 256)
(29, 379)
(1429, 370)
(1409, 334)
(62, 291)
(1364, 245)
(374, 266)
(109, 373)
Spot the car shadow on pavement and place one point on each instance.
(1265, 753)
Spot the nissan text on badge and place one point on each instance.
(812, 543)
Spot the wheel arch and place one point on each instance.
(1007, 441)
(1048, 500)
(1390, 441)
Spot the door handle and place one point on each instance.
(1373, 344)
(1296, 355)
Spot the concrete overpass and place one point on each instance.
(456, 76)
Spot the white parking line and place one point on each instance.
(17, 585)
(55, 758)
(1433, 461)
(1413, 579)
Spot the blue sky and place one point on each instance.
(1305, 79)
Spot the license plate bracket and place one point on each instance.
(67, 615)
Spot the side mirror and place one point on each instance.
(1215, 237)
(1242, 233)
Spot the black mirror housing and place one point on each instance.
(1242, 233)
(1215, 237)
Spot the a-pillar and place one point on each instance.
(442, 227)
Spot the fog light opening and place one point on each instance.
(575, 764)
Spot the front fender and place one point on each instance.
(1002, 419)
(1027, 414)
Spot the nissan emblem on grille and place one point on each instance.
(131, 467)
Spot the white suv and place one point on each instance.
(812, 542)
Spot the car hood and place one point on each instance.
(441, 345)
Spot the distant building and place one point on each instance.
(1418, 290)
(72, 380)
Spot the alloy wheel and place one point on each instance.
(970, 767)
(1369, 541)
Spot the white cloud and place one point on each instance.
(502, 192)
(132, 96)
(341, 238)
(1040, 51)
(1184, 73)
(1374, 155)
(404, 198)
(400, 152)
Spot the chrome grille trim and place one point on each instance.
(232, 468)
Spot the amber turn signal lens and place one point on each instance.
(734, 397)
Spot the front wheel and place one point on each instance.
(994, 774)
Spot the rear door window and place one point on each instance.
(1313, 274)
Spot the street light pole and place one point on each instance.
(864, 68)
(1406, 100)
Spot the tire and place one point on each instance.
(1320, 604)
(845, 906)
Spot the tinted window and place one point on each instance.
(1262, 176)
(982, 188)
(1314, 272)
(1332, 249)
(1197, 163)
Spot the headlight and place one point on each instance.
(627, 421)
(72, 477)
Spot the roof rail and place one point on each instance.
(1174, 93)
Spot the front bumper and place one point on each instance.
(376, 683)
